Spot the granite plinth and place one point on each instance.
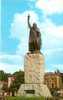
(34, 68)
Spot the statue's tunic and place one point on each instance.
(34, 39)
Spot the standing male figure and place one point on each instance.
(34, 37)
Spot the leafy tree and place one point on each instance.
(19, 76)
(3, 76)
(19, 79)
(5, 87)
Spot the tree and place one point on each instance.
(19, 79)
(19, 76)
(3, 76)
(5, 87)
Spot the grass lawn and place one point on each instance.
(31, 98)
(24, 98)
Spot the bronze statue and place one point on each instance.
(34, 37)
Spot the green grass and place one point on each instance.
(25, 98)
(31, 98)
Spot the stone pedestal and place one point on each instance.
(34, 68)
(34, 76)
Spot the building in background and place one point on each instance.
(54, 80)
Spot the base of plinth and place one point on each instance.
(34, 90)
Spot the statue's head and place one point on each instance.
(34, 25)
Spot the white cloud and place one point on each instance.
(11, 63)
(53, 35)
(49, 70)
(50, 6)
(57, 67)
(13, 59)
(9, 68)
(48, 52)
(10, 56)
(51, 29)
(54, 67)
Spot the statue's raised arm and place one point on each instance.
(29, 21)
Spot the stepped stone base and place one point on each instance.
(34, 90)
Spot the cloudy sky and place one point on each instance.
(48, 14)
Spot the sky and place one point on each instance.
(14, 34)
